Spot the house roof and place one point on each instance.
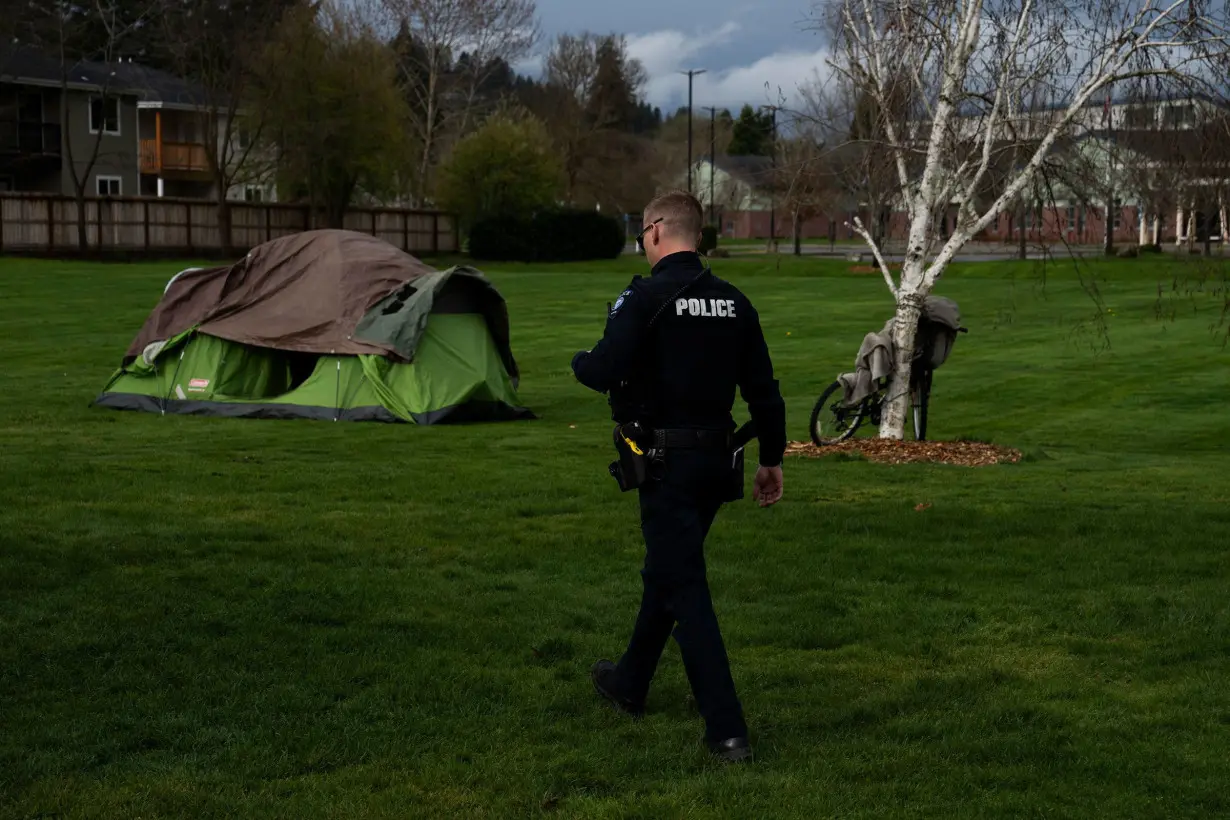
(23, 64)
(1203, 146)
(751, 170)
(1117, 100)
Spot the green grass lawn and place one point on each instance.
(204, 617)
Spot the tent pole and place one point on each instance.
(174, 376)
(337, 392)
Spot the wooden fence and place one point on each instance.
(48, 224)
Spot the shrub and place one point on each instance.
(502, 238)
(708, 239)
(572, 236)
(504, 168)
(559, 235)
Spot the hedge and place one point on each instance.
(550, 236)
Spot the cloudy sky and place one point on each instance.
(743, 44)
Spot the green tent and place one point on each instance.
(331, 325)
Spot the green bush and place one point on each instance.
(504, 168)
(559, 235)
(708, 239)
(502, 238)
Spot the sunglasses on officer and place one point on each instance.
(640, 237)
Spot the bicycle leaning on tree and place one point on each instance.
(837, 417)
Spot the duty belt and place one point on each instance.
(689, 438)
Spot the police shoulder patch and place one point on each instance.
(620, 301)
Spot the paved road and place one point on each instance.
(972, 252)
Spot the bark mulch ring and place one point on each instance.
(889, 451)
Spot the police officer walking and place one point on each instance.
(677, 345)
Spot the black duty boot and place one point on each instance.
(731, 750)
(602, 673)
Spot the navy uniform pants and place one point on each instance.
(676, 513)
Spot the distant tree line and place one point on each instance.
(401, 102)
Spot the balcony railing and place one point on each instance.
(174, 157)
(30, 138)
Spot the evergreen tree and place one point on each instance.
(753, 134)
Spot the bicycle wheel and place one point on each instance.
(830, 422)
(922, 400)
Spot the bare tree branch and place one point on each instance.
(976, 72)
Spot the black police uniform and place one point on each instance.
(683, 373)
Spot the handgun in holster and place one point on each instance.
(638, 462)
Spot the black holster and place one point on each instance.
(735, 476)
(733, 486)
(633, 470)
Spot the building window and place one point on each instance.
(1140, 117)
(253, 193)
(105, 115)
(1180, 116)
(1118, 206)
(109, 186)
(1071, 218)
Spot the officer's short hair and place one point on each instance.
(680, 212)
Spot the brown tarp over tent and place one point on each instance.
(309, 292)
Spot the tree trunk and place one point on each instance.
(1221, 217)
(1109, 243)
(335, 215)
(83, 237)
(225, 233)
(79, 180)
(338, 202)
(1208, 234)
(1021, 254)
(905, 329)
(429, 132)
(798, 234)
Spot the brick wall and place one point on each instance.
(1080, 227)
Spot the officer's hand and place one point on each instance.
(768, 486)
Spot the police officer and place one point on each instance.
(677, 345)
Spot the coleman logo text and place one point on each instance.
(724, 308)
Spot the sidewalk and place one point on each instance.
(971, 252)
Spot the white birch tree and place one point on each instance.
(970, 65)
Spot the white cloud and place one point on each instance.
(767, 80)
(662, 52)
(730, 78)
(531, 66)
(665, 53)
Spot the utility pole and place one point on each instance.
(691, 73)
(772, 175)
(712, 157)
